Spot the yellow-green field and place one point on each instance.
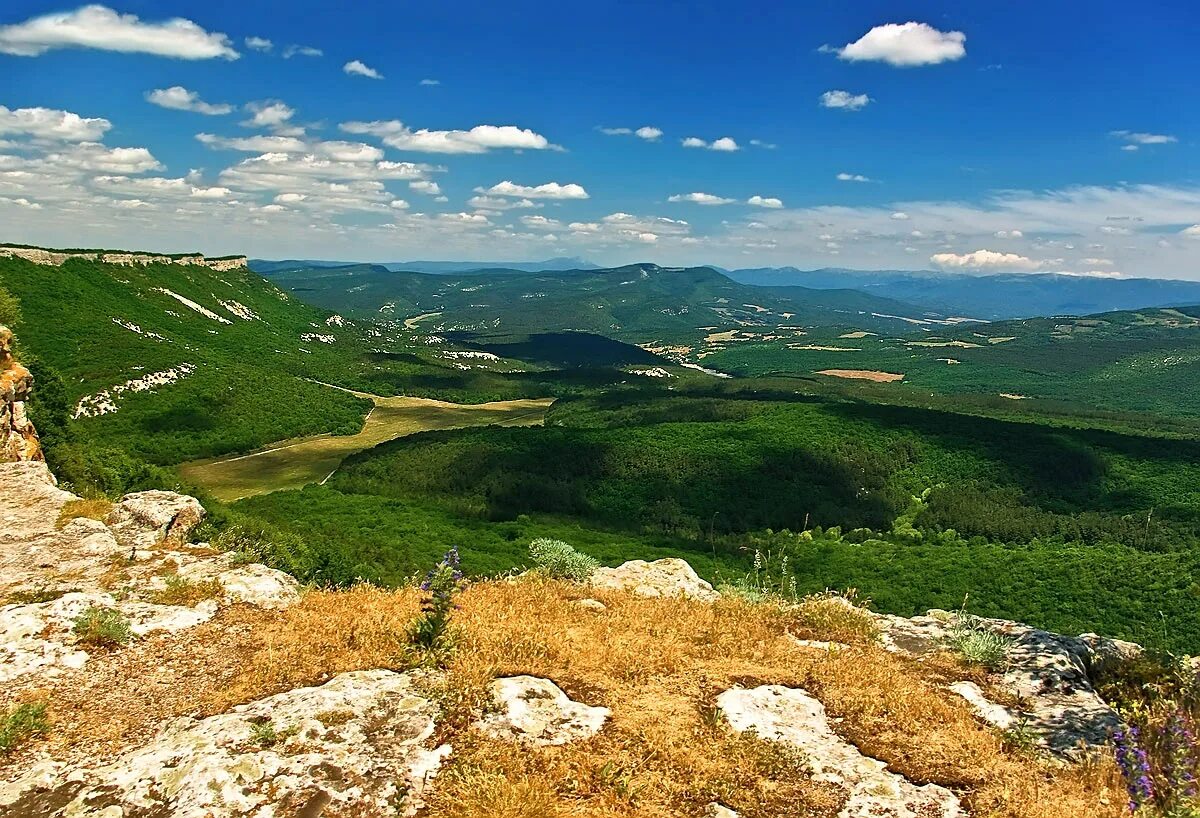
(292, 464)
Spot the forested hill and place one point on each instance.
(637, 302)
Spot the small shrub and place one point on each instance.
(183, 591)
(769, 579)
(36, 595)
(975, 643)
(263, 734)
(556, 559)
(431, 630)
(20, 723)
(104, 627)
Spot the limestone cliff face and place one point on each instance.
(18, 437)
(39, 255)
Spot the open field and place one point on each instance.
(312, 460)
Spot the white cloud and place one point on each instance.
(497, 203)
(758, 143)
(303, 51)
(1192, 232)
(480, 139)
(1097, 262)
(259, 44)
(21, 202)
(398, 204)
(424, 186)
(260, 143)
(844, 100)
(699, 198)
(905, 45)
(102, 28)
(1009, 234)
(269, 114)
(92, 156)
(429, 82)
(179, 98)
(982, 259)
(1133, 139)
(361, 69)
(899, 216)
(648, 132)
(763, 201)
(541, 223)
(49, 123)
(852, 177)
(549, 190)
(725, 143)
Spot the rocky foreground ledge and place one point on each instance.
(235, 693)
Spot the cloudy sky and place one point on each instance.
(968, 137)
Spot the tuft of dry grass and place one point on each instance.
(834, 617)
(659, 665)
(95, 509)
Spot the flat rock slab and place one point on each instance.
(793, 717)
(661, 578)
(357, 745)
(535, 711)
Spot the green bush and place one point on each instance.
(20, 723)
(105, 627)
(972, 640)
(558, 560)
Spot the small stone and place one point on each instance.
(591, 604)
(661, 578)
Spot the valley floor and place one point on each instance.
(294, 464)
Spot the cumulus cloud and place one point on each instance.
(271, 114)
(259, 44)
(844, 100)
(20, 202)
(425, 186)
(102, 28)
(541, 223)
(179, 98)
(1009, 234)
(985, 259)
(764, 201)
(499, 203)
(725, 143)
(549, 190)
(92, 156)
(49, 123)
(852, 177)
(699, 198)
(361, 69)
(480, 139)
(646, 132)
(1192, 232)
(905, 45)
(254, 144)
(302, 51)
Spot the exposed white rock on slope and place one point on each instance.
(239, 309)
(357, 745)
(665, 577)
(1051, 675)
(105, 401)
(135, 328)
(187, 302)
(793, 717)
(318, 337)
(535, 711)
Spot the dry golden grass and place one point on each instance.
(658, 664)
(92, 509)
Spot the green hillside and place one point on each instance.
(639, 303)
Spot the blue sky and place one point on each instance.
(969, 137)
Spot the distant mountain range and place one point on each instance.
(266, 267)
(991, 297)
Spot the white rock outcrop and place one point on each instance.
(535, 711)
(793, 717)
(357, 745)
(661, 578)
(1050, 674)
